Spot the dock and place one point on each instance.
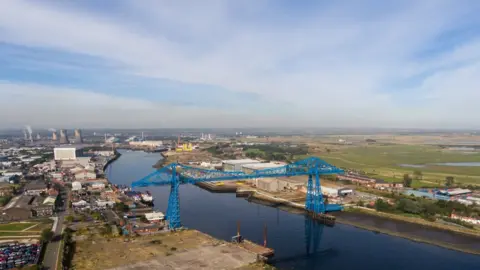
(263, 252)
(257, 249)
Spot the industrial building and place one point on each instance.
(146, 143)
(35, 188)
(236, 164)
(252, 168)
(78, 136)
(25, 206)
(64, 136)
(278, 184)
(66, 153)
(436, 194)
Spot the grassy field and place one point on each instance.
(16, 226)
(383, 161)
(18, 233)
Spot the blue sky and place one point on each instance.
(240, 63)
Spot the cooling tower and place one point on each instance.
(78, 136)
(63, 136)
(54, 136)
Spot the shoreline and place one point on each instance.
(115, 157)
(253, 196)
(406, 236)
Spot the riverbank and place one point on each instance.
(115, 157)
(372, 217)
(418, 221)
(408, 235)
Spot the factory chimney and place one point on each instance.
(63, 136)
(78, 136)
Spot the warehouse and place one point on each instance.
(236, 164)
(35, 187)
(252, 168)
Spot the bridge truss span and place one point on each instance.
(176, 174)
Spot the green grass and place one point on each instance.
(15, 226)
(383, 162)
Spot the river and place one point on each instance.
(298, 243)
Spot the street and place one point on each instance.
(53, 247)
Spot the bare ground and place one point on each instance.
(181, 250)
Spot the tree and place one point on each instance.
(418, 174)
(69, 218)
(407, 180)
(96, 215)
(449, 181)
(381, 205)
(46, 235)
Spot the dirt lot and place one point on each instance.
(182, 250)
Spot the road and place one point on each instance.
(53, 248)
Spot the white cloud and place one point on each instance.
(53, 106)
(335, 67)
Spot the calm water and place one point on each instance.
(298, 243)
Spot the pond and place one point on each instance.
(452, 164)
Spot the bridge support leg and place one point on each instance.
(309, 200)
(318, 199)
(173, 211)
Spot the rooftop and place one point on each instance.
(35, 185)
(240, 161)
(259, 166)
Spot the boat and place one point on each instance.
(146, 198)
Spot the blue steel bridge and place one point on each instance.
(176, 174)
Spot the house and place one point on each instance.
(85, 175)
(76, 186)
(6, 189)
(35, 188)
(148, 230)
(43, 207)
(98, 185)
(357, 179)
(104, 204)
(80, 204)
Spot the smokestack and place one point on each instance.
(54, 136)
(78, 136)
(63, 136)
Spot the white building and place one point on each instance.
(76, 185)
(104, 204)
(104, 153)
(85, 175)
(147, 143)
(98, 185)
(80, 204)
(65, 153)
(236, 164)
(155, 216)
